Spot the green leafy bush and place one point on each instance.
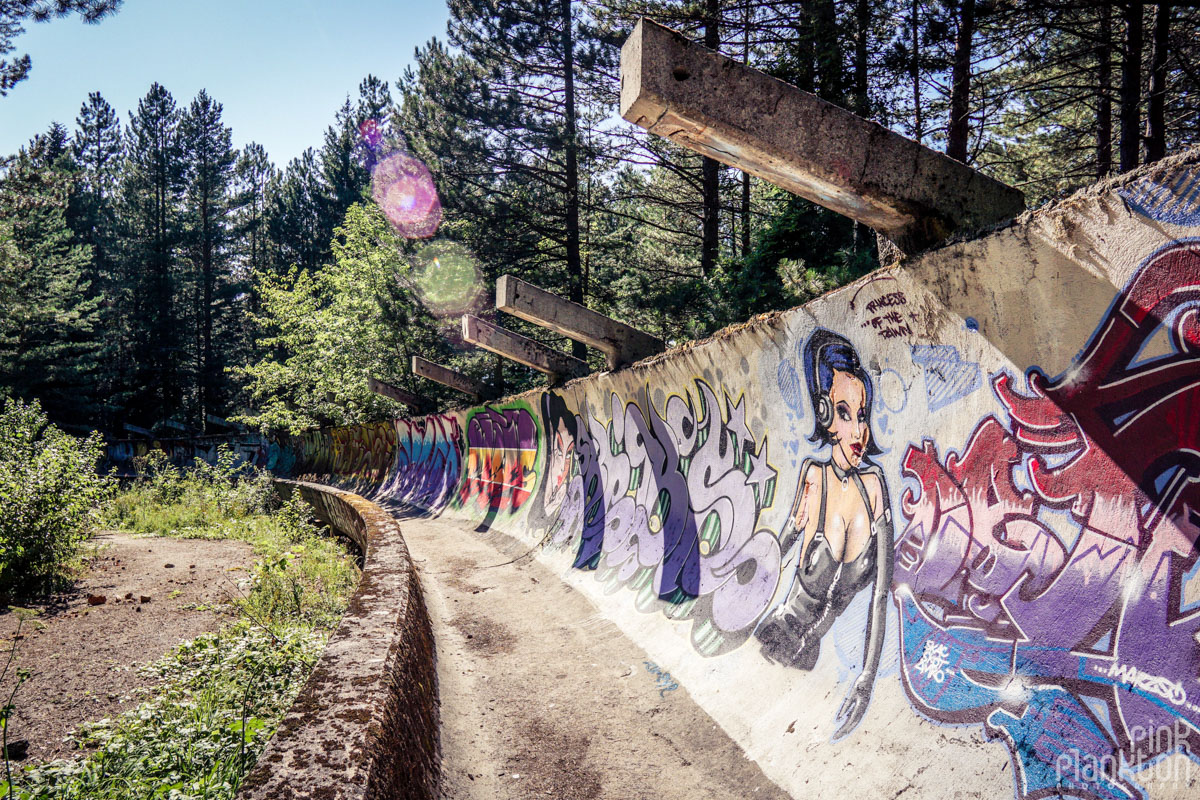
(51, 494)
(200, 730)
(198, 502)
(218, 699)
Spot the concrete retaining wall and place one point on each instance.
(999, 590)
(365, 725)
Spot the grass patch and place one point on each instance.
(220, 696)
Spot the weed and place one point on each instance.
(6, 711)
(221, 695)
(51, 494)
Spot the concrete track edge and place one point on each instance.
(366, 724)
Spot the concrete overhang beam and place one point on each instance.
(522, 349)
(621, 344)
(447, 377)
(413, 401)
(914, 196)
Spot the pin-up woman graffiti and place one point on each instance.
(839, 531)
(560, 425)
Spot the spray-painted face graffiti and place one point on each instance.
(560, 427)
(849, 429)
(558, 471)
(838, 536)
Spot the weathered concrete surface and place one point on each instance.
(622, 344)
(543, 697)
(1000, 589)
(365, 725)
(413, 401)
(521, 349)
(913, 195)
(447, 377)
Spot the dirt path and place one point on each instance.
(83, 657)
(541, 697)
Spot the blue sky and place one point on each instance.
(281, 68)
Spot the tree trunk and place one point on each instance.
(862, 16)
(1156, 118)
(571, 157)
(498, 375)
(710, 170)
(746, 175)
(960, 87)
(1104, 95)
(830, 73)
(915, 70)
(208, 379)
(1131, 86)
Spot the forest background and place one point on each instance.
(153, 277)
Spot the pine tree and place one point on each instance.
(297, 221)
(343, 173)
(151, 188)
(535, 59)
(48, 316)
(207, 151)
(15, 12)
(254, 176)
(97, 151)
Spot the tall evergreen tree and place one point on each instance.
(534, 60)
(48, 316)
(97, 151)
(207, 150)
(253, 178)
(343, 173)
(151, 188)
(297, 219)
(15, 12)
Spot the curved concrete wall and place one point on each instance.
(365, 725)
(933, 533)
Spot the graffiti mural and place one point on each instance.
(561, 427)
(667, 502)
(502, 450)
(363, 453)
(1040, 577)
(837, 540)
(948, 377)
(1175, 201)
(248, 450)
(428, 461)
(315, 453)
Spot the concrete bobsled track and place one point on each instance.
(932, 534)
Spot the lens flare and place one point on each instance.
(447, 278)
(372, 135)
(403, 188)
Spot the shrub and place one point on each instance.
(218, 699)
(51, 496)
(161, 478)
(199, 501)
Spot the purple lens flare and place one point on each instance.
(403, 188)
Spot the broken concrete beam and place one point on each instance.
(413, 401)
(447, 377)
(621, 344)
(213, 419)
(913, 195)
(521, 349)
